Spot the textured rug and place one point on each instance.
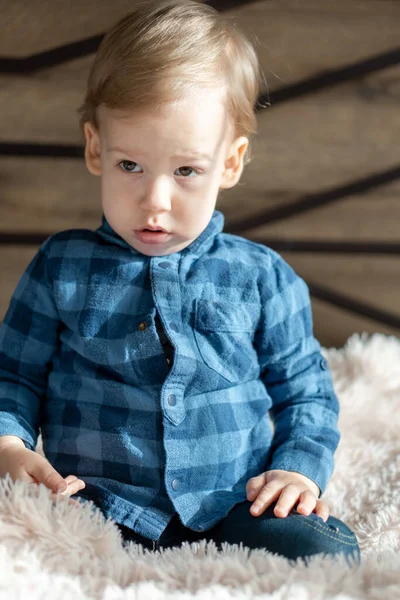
(52, 550)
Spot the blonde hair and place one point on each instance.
(163, 51)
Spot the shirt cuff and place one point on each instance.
(318, 471)
(11, 426)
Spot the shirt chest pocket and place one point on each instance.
(224, 336)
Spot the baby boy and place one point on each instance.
(150, 351)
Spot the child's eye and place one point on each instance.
(188, 169)
(128, 162)
(128, 166)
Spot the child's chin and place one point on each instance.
(159, 250)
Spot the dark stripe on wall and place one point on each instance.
(50, 58)
(39, 149)
(223, 5)
(332, 247)
(312, 201)
(21, 238)
(328, 79)
(358, 308)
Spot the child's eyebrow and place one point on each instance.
(190, 155)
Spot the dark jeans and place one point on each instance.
(295, 536)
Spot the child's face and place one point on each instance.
(150, 176)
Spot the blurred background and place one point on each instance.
(323, 187)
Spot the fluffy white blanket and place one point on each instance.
(51, 551)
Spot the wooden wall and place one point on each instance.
(306, 145)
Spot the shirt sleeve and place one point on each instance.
(304, 407)
(28, 337)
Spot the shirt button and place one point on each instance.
(172, 400)
(324, 364)
(175, 484)
(142, 326)
(165, 265)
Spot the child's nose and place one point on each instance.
(157, 196)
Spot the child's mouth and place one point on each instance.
(147, 236)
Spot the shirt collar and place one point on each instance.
(198, 247)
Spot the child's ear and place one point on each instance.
(234, 163)
(92, 149)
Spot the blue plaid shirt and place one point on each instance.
(80, 358)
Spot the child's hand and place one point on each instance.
(288, 487)
(26, 465)
(73, 486)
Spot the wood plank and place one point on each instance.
(48, 195)
(33, 27)
(375, 216)
(333, 326)
(370, 279)
(297, 40)
(321, 142)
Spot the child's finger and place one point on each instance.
(307, 502)
(322, 510)
(40, 469)
(255, 485)
(70, 478)
(267, 496)
(73, 484)
(288, 498)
